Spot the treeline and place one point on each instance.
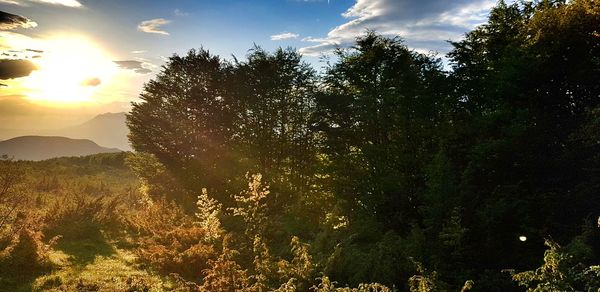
(386, 161)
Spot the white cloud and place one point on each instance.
(12, 2)
(179, 12)
(153, 26)
(425, 24)
(138, 66)
(68, 3)
(284, 36)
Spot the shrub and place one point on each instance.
(559, 272)
(326, 285)
(26, 255)
(79, 217)
(224, 273)
(170, 242)
(179, 250)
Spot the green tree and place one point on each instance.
(380, 106)
(209, 121)
(524, 82)
(185, 120)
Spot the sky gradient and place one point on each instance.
(111, 47)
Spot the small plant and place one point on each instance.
(170, 242)
(224, 273)
(208, 214)
(26, 255)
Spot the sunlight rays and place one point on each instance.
(71, 70)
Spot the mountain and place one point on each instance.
(45, 147)
(108, 130)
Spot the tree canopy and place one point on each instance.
(386, 158)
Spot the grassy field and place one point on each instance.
(93, 265)
(78, 204)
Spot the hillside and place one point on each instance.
(45, 147)
(108, 130)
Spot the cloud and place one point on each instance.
(91, 82)
(424, 24)
(68, 3)
(11, 69)
(284, 36)
(10, 40)
(136, 66)
(153, 26)
(12, 2)
(139, 52)
(12, 21)
(181, 13)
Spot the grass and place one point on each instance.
(85, 258)
(92, 265)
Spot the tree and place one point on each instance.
(524, 82)
(209, 121)
(185, 120)
(379, 110)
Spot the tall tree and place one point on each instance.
(185, 120)
(524, 81)
(380, 109)
(209, 121)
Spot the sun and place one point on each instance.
(70, 70)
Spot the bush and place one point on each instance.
(224, 273)
(80, 217)
(26, 255)
(559, 272)
(170, 242)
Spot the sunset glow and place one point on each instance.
(71, 70)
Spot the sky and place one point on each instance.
(62, 61)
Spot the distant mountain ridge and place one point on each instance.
(107, 130)
(46, 147)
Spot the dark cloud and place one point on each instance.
(12, 21)
(91, 82)
(134, 65)
(10, 69)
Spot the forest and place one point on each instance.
(388, 170)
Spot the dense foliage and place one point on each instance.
(386, 158)
(387, 171)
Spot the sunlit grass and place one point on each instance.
(114, 272)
